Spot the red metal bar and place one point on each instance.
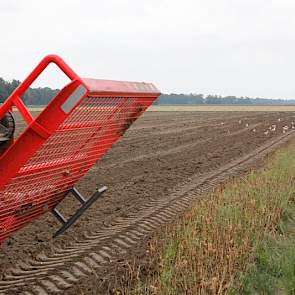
(31, 140)
(23, 110)
(58, 148)
(14, 98)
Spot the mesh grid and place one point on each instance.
(66, 156)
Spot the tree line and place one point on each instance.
(196, 99)
(33, 96)
(42, 96)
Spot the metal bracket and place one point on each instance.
(85, 205)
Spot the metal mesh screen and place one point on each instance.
(66, 156)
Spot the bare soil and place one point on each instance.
(161, 150)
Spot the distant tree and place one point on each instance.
(192, 99)
(3, 90)
(42, 96)
(213, 99)
(33, 96)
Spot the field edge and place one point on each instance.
(213, 247)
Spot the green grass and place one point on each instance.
(274, 269)
(238, 240)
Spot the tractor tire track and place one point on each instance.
(55, 273)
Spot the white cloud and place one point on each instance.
(214, 46)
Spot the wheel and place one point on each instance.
(7, 128)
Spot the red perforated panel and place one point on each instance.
(81, 140)
(53, 168)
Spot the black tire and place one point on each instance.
(8, 122)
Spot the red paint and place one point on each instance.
(58, 148)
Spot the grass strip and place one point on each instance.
(273, 270)
(233, 241)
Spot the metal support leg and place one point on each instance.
(78, 196)
(59, 216)
(85, 205)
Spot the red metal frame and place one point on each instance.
(66, 139)
(14, 98)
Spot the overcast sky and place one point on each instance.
(238, 47)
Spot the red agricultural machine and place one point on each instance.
(59, 146)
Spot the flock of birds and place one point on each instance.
(271, 128)
(285, 128)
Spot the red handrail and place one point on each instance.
(15, 100)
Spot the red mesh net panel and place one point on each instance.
(66, 156)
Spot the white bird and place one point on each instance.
(285, 128)
(273, 128)
(247, 125)
(222, 123)
(266, 132)
(254, 130)
(279, 119)
(240, 121)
